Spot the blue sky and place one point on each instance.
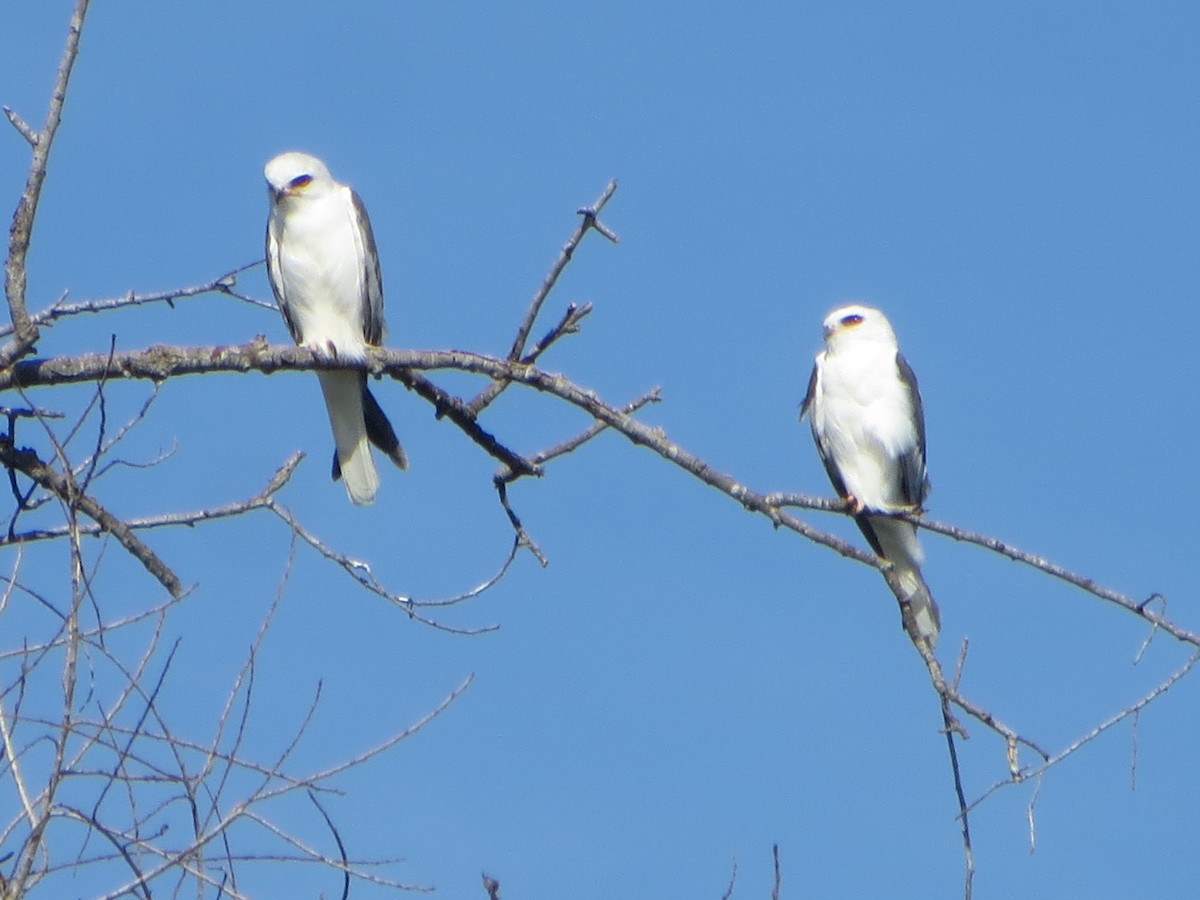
(1015, 185)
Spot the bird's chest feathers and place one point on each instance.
(865, 408)
(321, 268)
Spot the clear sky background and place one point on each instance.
(1014, 184)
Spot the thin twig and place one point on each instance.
(654, 395)
(361, 572)
(355, 868)
(568, 324)
(164, 520)
(1052, 760)
(589, 218)
(587, 222)
(222, 284)
(173, 859)
(523, 539)
(338, 839)
(23, 128)
(1012, 738)
(732, 878)
(960, 797)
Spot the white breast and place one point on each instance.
(862, 415)
(322, 270)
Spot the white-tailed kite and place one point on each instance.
(869, 427)
(324, 271)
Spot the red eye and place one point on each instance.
(299, 181)
(852, 320)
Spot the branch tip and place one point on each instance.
(22, 126)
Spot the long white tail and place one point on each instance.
(344, 402)
(898, 543)
(926, 620)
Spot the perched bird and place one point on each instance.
(869, 427)
(324, 270)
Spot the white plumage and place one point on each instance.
(869, 428)
(324, 270)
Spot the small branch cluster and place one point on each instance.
(124, 792)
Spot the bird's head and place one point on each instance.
(856, 322)
(294, 174)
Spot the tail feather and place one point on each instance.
(380, 431)
(896, 541)
(922, 617)
(352, 459)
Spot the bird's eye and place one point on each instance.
(299, 181)
(851, 320)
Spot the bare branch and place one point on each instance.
(161, 362)
(505, 475)
(14, 764)
(948, 694)
(732, 878)
(589, 221)
(1141, 608)
(448, 406)
(27, 462)
(523, 538)
(195, 517)
(960, 797)
(26, 131)
(654, 395)
(28, 412)
(478, 589)
(351, 868)
(325, 774)
(15, 275)
(568, 324)
(361, 572)
(1132, 710)
(338, 839)
(143, 841)
(222, 284)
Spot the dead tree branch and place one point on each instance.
(222, 284)
(21, 231)
(65, 488)
(570, 322)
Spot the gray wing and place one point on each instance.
(372, 281)
(914, 483)
(276, 279)
(810, 393)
